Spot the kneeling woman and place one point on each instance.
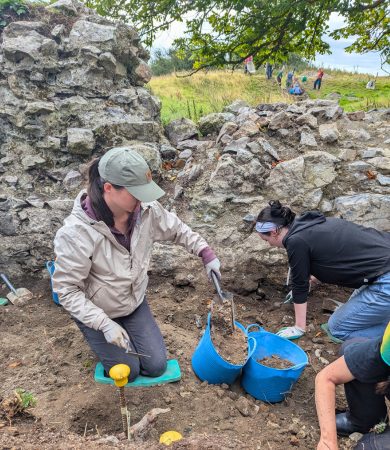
(334, 251)
(102, 257)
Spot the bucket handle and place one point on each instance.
(254, 325)
(49, 266)
(299, 366)
(250, 353)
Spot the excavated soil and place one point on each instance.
(44, 352)
(231, 345)
(276, 362)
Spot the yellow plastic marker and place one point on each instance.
(169, 437)
(120, 374)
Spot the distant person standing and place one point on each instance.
(289, 80)
(279, 77)
(268, 70)
(249, 67)
(317, 82)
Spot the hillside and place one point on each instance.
(201, 94)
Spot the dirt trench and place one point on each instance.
(44, 352)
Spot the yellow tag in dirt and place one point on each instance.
(169, 437)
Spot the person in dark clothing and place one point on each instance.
(364, 369)
(334, 251)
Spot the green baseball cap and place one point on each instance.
(125, 167)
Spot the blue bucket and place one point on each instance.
(209, 366)
(266, 383)
(51, 268)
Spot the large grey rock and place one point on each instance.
(73, 179)
(299, 181)
(212, 123)
(231, 179)
(150, 152)
(329, 132)
(28, 48)
(307, 119)
(248, 128)
(307, 140)
(381, 163)
(236, 106)
(32, 161)
(280, 120)
(268, 148)
(236, 145)
(7, 225)
(81, 141)
(70, 7)
(359, 135)
(85, 33)
(168, 152)
(370, 210)
(227, 128)
(383, 180)
(181, 129)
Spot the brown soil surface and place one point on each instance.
(43, 351)
(231, 346)
(276, 362)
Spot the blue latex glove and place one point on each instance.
(290, 333)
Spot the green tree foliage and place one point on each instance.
(167, 61)
(10, 8)
(225, 32)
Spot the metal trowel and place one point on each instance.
(223, 297)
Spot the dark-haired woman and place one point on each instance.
(364, 369)
(338, 252)
(102, 257)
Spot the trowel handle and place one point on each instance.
(217, 286)
(8, 283)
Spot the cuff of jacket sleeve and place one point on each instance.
(207, 255)
(97, 323)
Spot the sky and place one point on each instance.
(338, 59)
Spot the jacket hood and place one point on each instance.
(306, 220)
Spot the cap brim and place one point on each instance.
(146, 192)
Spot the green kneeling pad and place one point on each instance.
(171, 375)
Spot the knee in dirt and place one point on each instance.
(335, 327)
(154, 368)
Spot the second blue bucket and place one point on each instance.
(51, 268)
(266, 383)
(209, 366)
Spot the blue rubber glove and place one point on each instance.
(290, 333)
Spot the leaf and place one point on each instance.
(14, 364)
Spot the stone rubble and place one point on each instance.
(72, 86)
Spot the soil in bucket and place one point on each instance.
(276, 362)
(231, 346)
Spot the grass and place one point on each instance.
(204, 93)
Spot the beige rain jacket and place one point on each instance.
(96, 277)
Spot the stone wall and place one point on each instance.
(71, 86)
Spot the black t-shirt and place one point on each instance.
(364, 361)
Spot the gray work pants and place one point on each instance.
(145, 337)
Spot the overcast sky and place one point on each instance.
(339, 59)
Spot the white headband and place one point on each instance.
(265, 227)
